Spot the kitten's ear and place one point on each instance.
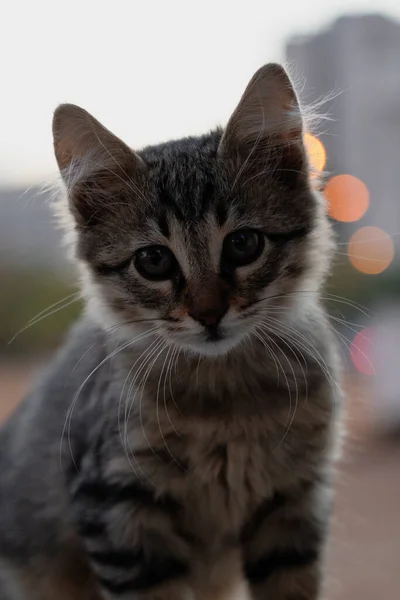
(267, 116)
(91, 159)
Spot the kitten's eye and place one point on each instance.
(242, 247)
(156, 262)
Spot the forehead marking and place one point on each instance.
(179, 243)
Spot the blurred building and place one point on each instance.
(357, 61)
(29, 236)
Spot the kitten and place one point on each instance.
(180, 446)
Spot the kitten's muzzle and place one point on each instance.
(209, 318)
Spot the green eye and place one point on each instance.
(242, 247)
(156, 263)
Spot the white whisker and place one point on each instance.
(68, 418)
(38, 318)
(158, 412)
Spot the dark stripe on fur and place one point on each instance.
(267, 565)
(157, 571)
(110, 493)
(221, 213)
(262, 513)
(287, 236)
(91, 529)
(106, 270)
(163, 225)
(117, 588)
(124, 559)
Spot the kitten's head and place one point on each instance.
(208, 239)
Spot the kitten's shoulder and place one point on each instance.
(30, 473)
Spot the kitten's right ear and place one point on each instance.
(91, 159)
(267, 118)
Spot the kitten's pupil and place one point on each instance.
(242, 247)
(241, 242)
(156, 262)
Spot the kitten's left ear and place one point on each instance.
(79, 137)
(94, 163)
(268, 116)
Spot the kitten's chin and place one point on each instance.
(212, 349)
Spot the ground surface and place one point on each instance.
(364, 552)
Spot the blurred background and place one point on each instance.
(159, 70)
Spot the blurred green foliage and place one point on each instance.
(366, 290)
(23, 295)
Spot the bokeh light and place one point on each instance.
(371, 250)
(361, 351)
(316, 153)
(347, 197)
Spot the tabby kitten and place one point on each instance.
(181, 444)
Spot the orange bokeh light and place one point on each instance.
(347, 197)
(316, 153)
(371, 250)
(361, 351)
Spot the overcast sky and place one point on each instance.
(149, 70)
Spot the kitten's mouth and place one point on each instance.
(212, 341)
(214, 334)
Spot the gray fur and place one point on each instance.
(149, 462)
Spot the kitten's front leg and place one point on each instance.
(129, 536)
(283, 544)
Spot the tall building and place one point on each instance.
(357, 59)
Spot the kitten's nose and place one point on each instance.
(209, 317)
(207, 301)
